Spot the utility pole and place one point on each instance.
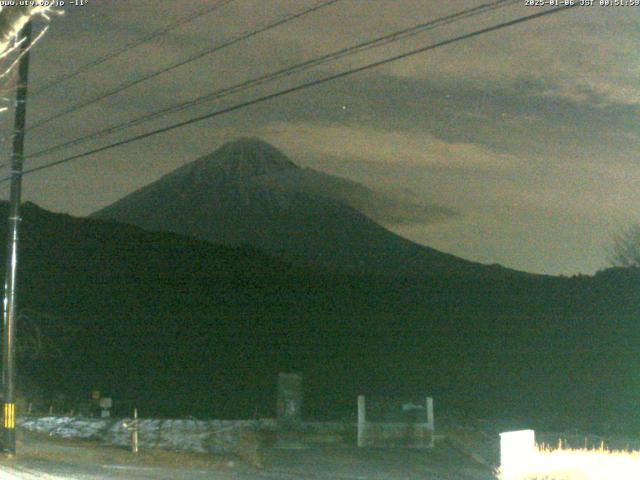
(11, 273)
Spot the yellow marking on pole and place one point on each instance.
(10, 415)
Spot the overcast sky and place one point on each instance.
(530, 133)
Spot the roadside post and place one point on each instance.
(134, 431)
(289, 410)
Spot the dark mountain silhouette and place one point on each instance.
(177, 326)
(248, 192)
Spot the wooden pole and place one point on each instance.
(11, 273)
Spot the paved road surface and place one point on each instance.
(59, 461)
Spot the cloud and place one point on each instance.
(581, 54)
(379, 145)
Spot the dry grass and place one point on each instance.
(577, 464)
(43, 447)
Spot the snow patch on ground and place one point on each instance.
(66, 427)
(213, 436)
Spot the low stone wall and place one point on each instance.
(213, 436)
(220, 436)
(329, 427)
(398, 434)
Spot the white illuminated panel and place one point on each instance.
(517, 453)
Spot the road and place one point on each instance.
(55, 460)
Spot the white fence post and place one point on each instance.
(362, 420)
(134, 432)
(431, 425)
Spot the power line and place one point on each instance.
(285, 72)
(119, 51)
(299, 87)
(197, 56)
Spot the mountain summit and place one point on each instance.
(249, 192)
(241, 159)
